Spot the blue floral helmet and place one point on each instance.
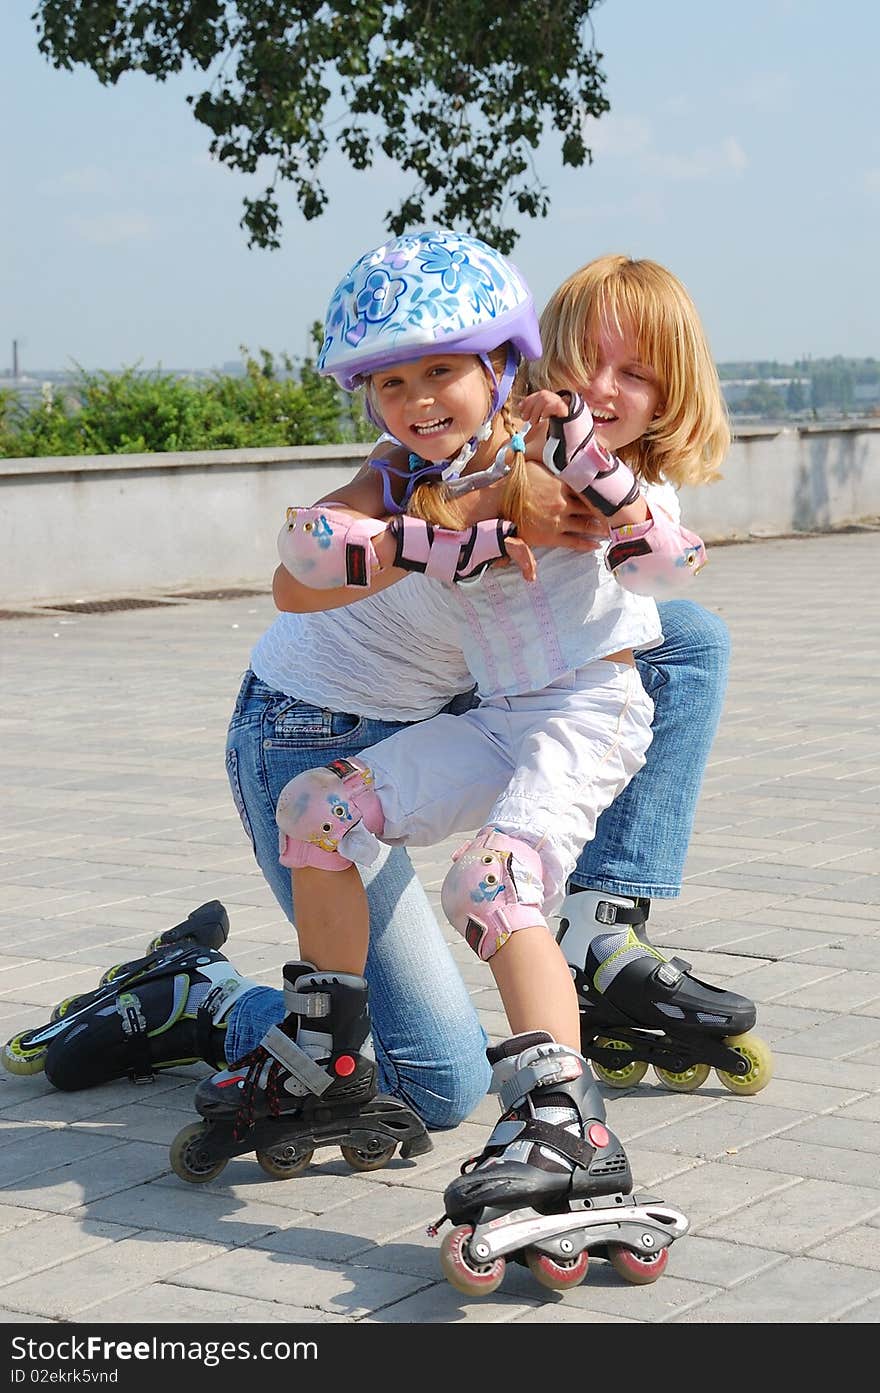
(429, 292)
(424, 293)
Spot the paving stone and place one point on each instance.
(71, 1288)
(353, 1290)
(800, 1216)
(800, 1291)
(151, 1305)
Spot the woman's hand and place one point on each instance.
(557, 517)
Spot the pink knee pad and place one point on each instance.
(318, 807)
(493, 888)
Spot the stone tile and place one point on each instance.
(800, 1291)
(801, 1216)
(188, 1210)
(151, 1305)
(351, 1291)
(799, 1158)
(73, 1287)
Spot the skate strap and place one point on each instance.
(296, 1061)
(670, 973)
(607, 912)
(532, 1129)
(561, 1067)
(312, 1004)
(137, 1042)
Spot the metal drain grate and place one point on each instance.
(230, 594)
(105, 606)
(22, 614)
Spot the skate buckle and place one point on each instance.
(433, 1229)
(670, 973)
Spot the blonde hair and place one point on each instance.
(433, 502)
(690, 435)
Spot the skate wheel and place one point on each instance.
(188, 1159)
(63, 1007)
(283, 1162)
(760, 1060)
(634, 1267)
(628, 1076)
(558, 1274)
(687, 1081)
(364, 1160)
(461, 1271)
(17, 1059)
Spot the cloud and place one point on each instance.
(871, 182)
(89, 179)
(618, 137)
(705, 163)
(113, 229)
(767, 93)
(632, 138)
(644, 208)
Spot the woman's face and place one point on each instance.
(623, 393)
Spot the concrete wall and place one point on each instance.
(103, 526)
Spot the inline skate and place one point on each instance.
(156, 1012)
(638, 1008)
(310, 1083)
(552, 1187)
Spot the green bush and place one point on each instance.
(131, 412)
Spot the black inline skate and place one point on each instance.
(638, 1008)
(311, 1082)
(552, 1185)
(155, 1012)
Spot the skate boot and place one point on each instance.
(311, 1082)
(205, 927)
(552, 1185)
(640, 1008)
(169, 1010)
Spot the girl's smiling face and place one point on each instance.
(623, 392)
(433, 405)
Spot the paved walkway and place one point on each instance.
(116, 821)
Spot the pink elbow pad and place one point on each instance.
(446, 555)
(655, 557)
(325, 547)
(573, 453)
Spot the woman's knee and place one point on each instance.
(695, 636)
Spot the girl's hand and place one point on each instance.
(520, 553)
(538, 405)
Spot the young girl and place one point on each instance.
(434, 325)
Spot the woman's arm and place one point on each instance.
(650, 553)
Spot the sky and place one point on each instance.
(742, 150)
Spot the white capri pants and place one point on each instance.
(541, 766)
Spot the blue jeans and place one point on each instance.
(430, 1047)
(641, 841)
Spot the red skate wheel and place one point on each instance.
(465, 1273)
(635, 1268)
(556, 1274)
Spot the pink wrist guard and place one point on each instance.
(325, 547)
(573, 453)
(444, 555)
(655, 557)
